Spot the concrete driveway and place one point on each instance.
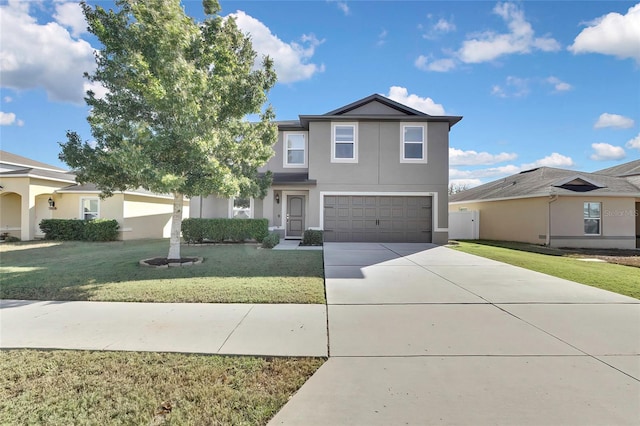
(420, 334)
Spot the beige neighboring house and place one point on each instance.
(560, 208)
(31, 191)
(373, 170)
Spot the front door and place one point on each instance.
(295, 216)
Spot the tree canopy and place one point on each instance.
(173, 119)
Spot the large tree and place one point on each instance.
(173, 120)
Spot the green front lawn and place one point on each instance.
(110, 272)
(106, 388)
(617, 278)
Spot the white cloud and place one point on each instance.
(612, 34)
(426, 105)
(634, 143)
(34, 55)
(434, 30)
(553, 160)
(342, 5)
(484, 173)
(70, 15)
(558, 85)
(7, 99)
(520, 39)
(9, 119)
(444, 26)
(458, 157)
(440, 65)
(514, 87)
(606, 152)
(382, 37)
(291, 60)
(490, 45)
(613, 120)
(98, 89)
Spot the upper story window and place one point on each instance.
(344, 145)
(592, 218)
(413, 144)
(295, 150)
(89, 208)
(241, 208)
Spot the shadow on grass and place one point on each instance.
(75, 270)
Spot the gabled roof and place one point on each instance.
(373, 107)
(545, 181)
(402, 109)
(17, 160)
(62, 176)
(632, 168)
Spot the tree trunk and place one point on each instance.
(176, 225)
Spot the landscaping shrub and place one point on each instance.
(196, 230)
(271, 240)
(12, 239)
(80, 230)
(312, 237)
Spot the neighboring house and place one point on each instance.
(560, 208)
(31, 191)
(373, 170)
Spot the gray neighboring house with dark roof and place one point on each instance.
(560, 208)
(373, 170)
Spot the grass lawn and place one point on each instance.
(80, 387)
(617, 278)
(110, 272)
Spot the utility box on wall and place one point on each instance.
(464, 225)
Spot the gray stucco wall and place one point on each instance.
(276, 163)
(379, 168)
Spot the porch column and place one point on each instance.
(27, 216)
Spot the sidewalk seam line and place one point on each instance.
(235, 328)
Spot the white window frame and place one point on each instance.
(232, 208)
(285, 152)
(334, 126)
(599, 218)
(82, 212)
(403, 159)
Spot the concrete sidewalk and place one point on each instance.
(420, 334)
(238, 329)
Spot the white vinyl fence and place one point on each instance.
(464, 225)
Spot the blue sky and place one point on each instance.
(539, 83)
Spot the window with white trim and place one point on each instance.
(295, 154)
(344, 144)
(90, 208)
(412, 144)
(592, 218)
(241, 208)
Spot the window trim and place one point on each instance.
(585, 218)
(251, 208)
(403, 159)
(82, 212)
(285, 151)
(334, 126)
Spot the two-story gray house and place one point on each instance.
(373, 170)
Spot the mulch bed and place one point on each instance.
(161, 261)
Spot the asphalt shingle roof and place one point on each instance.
(546, 181)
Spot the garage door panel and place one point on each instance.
(378, 218)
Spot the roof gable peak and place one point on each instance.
(391, 107)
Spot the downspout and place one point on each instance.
(200, 208)
(552, 197)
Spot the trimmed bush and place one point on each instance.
(80, 230)
(271, 240)
(312, 237)
(196, 230)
